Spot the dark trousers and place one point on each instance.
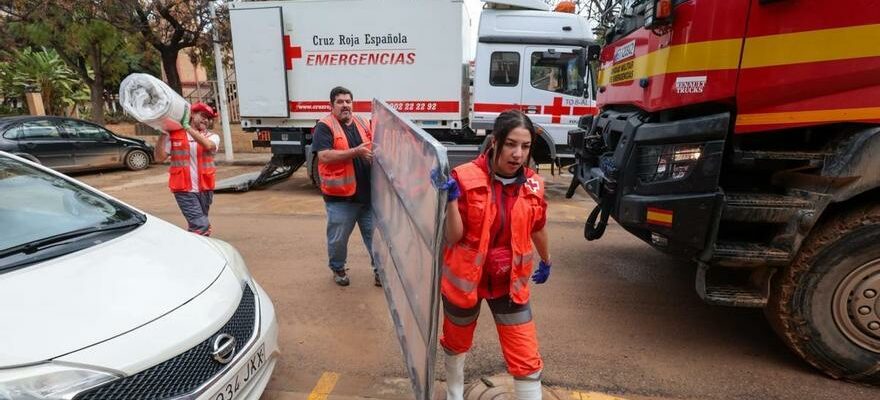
(195, 206)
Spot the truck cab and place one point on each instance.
(743, 135)
(533, 60)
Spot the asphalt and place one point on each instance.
(616, 319)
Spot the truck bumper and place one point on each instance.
(660, 182)
(288, 141)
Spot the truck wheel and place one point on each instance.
(826, 304)
(137, 160)
(313, 172)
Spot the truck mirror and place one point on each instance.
(593, 52)
(658, 13)
(581, 64)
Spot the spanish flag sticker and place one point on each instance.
(659, 216)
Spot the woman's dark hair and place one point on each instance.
(508, 121)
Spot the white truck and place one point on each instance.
(412, 54)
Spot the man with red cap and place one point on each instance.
(192, 173)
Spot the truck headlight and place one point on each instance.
(667, 162)
(49, 382)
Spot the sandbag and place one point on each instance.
(152, 102)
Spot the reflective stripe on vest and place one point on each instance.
(461, 261)
(179, 178)
(462, 284)
(338, 178)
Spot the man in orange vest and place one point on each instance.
(343, 143)
(192, 173)
(494, 235)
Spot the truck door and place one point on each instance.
(553, 82)
(258, 43)
(497, 82)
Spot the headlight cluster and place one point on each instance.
(49, 381)
(667, 162)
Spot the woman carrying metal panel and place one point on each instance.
(495, 223)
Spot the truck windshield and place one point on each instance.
(631, 18)
(557, 72)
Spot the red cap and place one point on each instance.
(203, 108)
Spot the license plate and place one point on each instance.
(244, 375)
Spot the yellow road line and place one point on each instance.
(324, 386)
(593, 396)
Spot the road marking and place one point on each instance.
(324, 386)
(593, 396)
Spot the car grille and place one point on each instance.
(186, 372)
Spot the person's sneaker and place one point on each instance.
(340, 278)
(376, 281)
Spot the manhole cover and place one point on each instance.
(498, 387)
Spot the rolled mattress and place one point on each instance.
(152, 102)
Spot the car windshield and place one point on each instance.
(37, 205)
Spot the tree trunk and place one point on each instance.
(97, 99)
(169, 64)
(97, 85)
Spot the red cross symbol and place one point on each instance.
(557, 110)
(290, 52)
(533, 185)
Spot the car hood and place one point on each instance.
(80, 299)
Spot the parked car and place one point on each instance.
(68, 144)
(102, 301)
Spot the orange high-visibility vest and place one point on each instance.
(338, 178)
(179, 179)
(463, 265)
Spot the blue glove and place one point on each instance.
(540, 276)
(450, 186)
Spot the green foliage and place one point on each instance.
(82, 35)
(43, 71)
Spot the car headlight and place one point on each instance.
(49, 382)
(233, 258)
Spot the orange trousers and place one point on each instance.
(516, 331)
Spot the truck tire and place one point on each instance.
(825, 304)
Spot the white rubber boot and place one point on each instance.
(455, 376)
(529, 388)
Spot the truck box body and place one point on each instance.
(408, 53)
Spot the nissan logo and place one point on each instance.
(224, 348)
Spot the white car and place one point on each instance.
(101, 301)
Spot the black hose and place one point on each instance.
(592, 229)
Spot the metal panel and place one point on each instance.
(409, 213)
(257, 43)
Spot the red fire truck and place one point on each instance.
(745, 135)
